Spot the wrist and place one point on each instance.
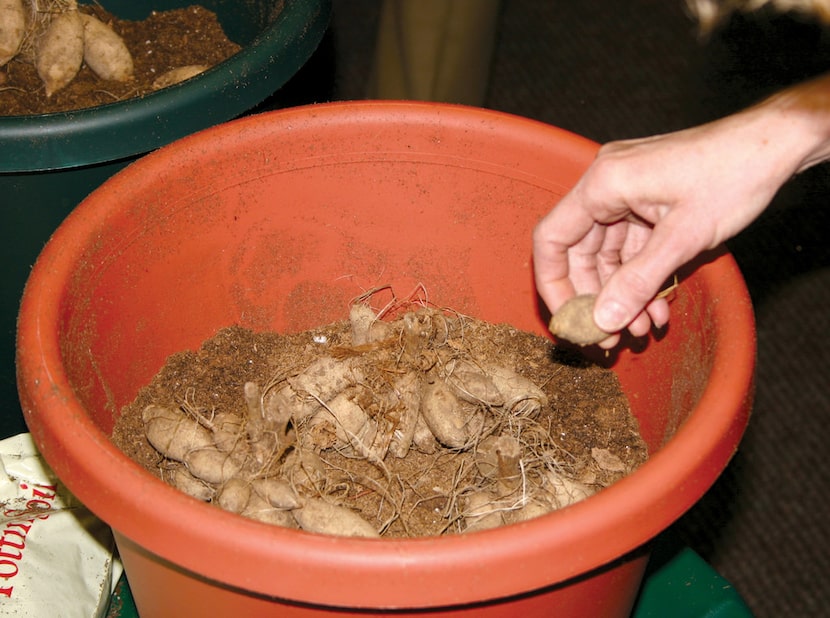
(800, 116)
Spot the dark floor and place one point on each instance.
(611, 69)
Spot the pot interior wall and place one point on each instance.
(243, 239)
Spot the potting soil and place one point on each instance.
(164, 41)
(560, 431)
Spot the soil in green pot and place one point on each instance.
(397, 422)
(166, 40)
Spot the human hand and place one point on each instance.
(645, 207)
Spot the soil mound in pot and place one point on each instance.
(428, 424)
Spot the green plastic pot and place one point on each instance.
(50, 162)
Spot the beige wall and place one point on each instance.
(434, 50)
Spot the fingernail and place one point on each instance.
(611, 316)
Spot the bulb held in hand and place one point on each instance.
(574, 321)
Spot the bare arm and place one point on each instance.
(645, 207)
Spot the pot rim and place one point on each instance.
(531, 551)
(124, 129)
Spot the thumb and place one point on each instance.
(622, 299)
(633, 286)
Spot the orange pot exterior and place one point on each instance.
(275, 222)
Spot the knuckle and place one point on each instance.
(634, 285)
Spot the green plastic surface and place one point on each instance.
(681, 584)
(275, 46)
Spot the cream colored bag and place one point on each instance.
(56, 558)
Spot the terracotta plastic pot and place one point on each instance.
(275, 222)
(50, 162)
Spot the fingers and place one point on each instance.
(556, 251)
(600, 239)
(628, 298)
(611, 342)
(587, 261)
(626, 262)
(658, 311)
(640, 325)
(645, 207)
(594, 258)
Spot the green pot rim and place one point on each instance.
(133, 127)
